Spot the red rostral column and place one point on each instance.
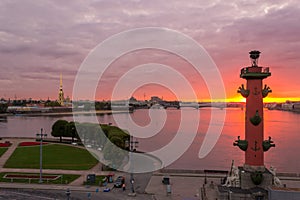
(254, 144)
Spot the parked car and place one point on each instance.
(119, 181)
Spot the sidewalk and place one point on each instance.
(187, 186)
(181, 187)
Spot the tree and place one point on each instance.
(52, 104)
(102, 105)
(3, 107)
(71, 131)
(59, 129)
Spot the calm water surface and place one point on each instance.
(283, 127)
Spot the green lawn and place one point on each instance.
(98, 182)
(64, 179)
(55, 156)
(3, 150)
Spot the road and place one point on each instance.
(34, 194)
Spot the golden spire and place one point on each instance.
(60, 84)
(61, 97)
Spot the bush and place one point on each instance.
(5, 144)
(26, 144)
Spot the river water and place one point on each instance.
(283, 127)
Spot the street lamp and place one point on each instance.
(133, 145)
(41, 135)
(68, 193)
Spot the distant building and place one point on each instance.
(132, 100)
(61, 98)
(155, 100)
(296, 107)
(288, 106)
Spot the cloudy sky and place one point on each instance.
(41, 39)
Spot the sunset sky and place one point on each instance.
(39, 40)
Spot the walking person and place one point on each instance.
(123, 186)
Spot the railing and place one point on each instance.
(265, 70)
(245, 70)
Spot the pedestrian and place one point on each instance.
(123, 186)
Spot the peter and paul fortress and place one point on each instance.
(64, 102)
(61, 98)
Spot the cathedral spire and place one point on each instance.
(60, 83)
(61, 98)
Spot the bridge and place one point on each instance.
(195, 105)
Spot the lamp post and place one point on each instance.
(68, 193)
(132, 146)
(41, 135)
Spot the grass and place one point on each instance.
(3, 150)
(55, 156)
(64, 179)
(98, 181)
